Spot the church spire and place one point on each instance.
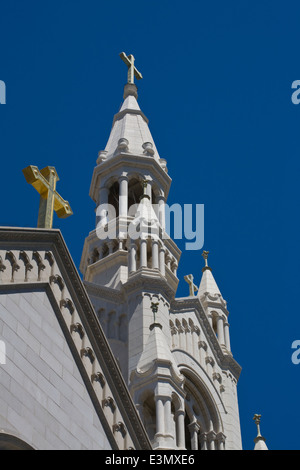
(214, 305)
(208, 283)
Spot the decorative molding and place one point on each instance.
(57, 253)
(77, 328)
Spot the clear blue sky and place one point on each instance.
(217, 91)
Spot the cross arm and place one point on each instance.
(37, 180)
(61, 207)
(129, 64)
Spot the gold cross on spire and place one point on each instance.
(44, 182)
(132, 70)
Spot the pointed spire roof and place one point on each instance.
(208, 283)
(130, 131)
(260, 442)
(157, 351)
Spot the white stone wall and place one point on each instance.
(43, 399)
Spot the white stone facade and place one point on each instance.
(174, 353)
(60, 386)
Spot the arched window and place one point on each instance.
(9, 442)
(203, 424)
(135, 191)
(113, 197)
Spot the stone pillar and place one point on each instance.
(123, 196)
(149, 190)
(168, 418)
(120, 243)
(160, 421)
(155, 255)
(227, 337)
(179, 416)
(220, 439)
(161, 211)
(132, 257)
(162, 266)
(203, 441)
(212, 440)
(220, 330)
(194, 429)
(143, 248)
(174, 267)
(168, 260)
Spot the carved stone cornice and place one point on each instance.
(223, 357)
(52, 242)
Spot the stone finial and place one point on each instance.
(148, 148)
(205, 257)
(260, 442)
(123, 145)
(145, 186)
(154, 307)
(257, 418)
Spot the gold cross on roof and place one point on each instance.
(132, 70)
(44, 182)
(190, 280)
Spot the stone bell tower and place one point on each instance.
(170, 354)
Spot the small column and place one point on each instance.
(143, 247)
(194, 429)
(123, 196)
(212, 440)
(220, 330)
(180, 429)
(132, 257)
(203, 441)
(155, 255)
(227, 337)
(220, 439)
(168, 417)
(168, 260)
(161, 211)
(162, 266)
(174, 267)
(160, 425)
(120, 243)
